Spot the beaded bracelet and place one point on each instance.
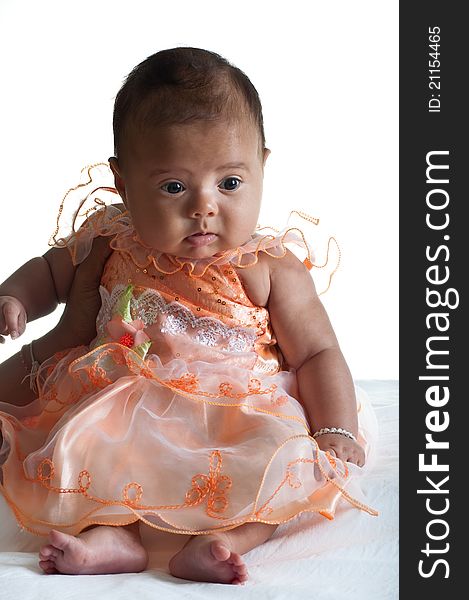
(338, 430)
(32, 372)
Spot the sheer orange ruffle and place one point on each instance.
(102, 415)
(91, 216)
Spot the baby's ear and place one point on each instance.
(266, 154)
(118, 180)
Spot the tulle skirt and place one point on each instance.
(189, 448)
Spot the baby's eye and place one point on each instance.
(172, 187)
(230, 183)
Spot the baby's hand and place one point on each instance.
(342, 447)
(12, 318)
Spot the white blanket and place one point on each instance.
(353, 557)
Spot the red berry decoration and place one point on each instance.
(127, 340)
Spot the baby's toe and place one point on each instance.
(48, 566)
(47, 552)
(240, 569)
(61, 541)
(235, 559)
(220, 551)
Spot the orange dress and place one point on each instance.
(181, 413)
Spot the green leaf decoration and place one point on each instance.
(142, 349)
(123, 304)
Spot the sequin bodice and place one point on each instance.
(193, 309)
(207, 318)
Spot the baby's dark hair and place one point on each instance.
(183, 85)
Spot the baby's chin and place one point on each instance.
(199, 253)
(215, 249)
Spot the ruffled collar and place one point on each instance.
(272, 242)
(83, 216)
(109, 220)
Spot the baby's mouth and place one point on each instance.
(201, 238)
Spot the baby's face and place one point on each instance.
(193, 190)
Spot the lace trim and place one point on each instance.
(209, 489)
(150, 304)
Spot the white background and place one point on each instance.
(327, 75)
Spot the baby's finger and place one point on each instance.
(359, 461)
(334, 459)
(11, 313)
(317, 472)
(3, 325)
(356, 458)
(22, 322)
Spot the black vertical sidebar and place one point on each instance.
(434, 351)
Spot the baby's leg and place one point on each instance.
(217, 557)
(97, 550)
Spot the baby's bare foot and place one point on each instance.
(96, 551)
(209, 558)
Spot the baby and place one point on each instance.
(214, 360)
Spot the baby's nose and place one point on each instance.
(203, 205)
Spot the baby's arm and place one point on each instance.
(35, 290)
(38, 286)
(309, 345)
(80, 313)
